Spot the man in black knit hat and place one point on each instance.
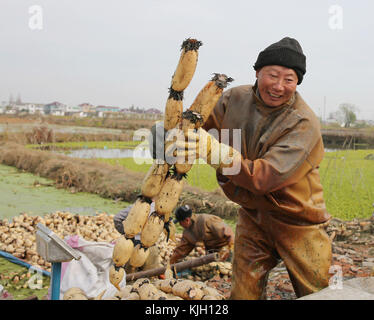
(283, 214)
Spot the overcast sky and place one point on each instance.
(123, 53)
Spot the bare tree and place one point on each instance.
(347, 114)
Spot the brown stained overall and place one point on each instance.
(283, 212)
(261, 240)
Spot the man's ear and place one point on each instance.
(257, 73)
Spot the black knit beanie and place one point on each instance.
(182, 213)
(287, 53)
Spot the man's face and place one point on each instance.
(185, 223)
(276, 84)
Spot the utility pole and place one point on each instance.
(324, 108)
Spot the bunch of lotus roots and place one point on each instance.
(164, 182)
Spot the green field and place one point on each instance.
(201, 175)
(22, 283)
(347, 178)
(348, 182)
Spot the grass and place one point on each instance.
(14, 278)
(201, 175)
(348, 182)
(347, 178)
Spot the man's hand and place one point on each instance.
(200, 144)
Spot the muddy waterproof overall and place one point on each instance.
(283, 213)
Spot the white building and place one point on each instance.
(11, 111)
(31, 108)
(35, 108)
(70, 110)
(87, 108)
(55, 109)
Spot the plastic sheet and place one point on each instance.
(91, 272)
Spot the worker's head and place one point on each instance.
(183, 216)
(279, 69)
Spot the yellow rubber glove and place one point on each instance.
(201, 144)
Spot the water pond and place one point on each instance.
(110, 153)
(24, 192)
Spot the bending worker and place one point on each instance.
(283, 213)
(209, 229)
